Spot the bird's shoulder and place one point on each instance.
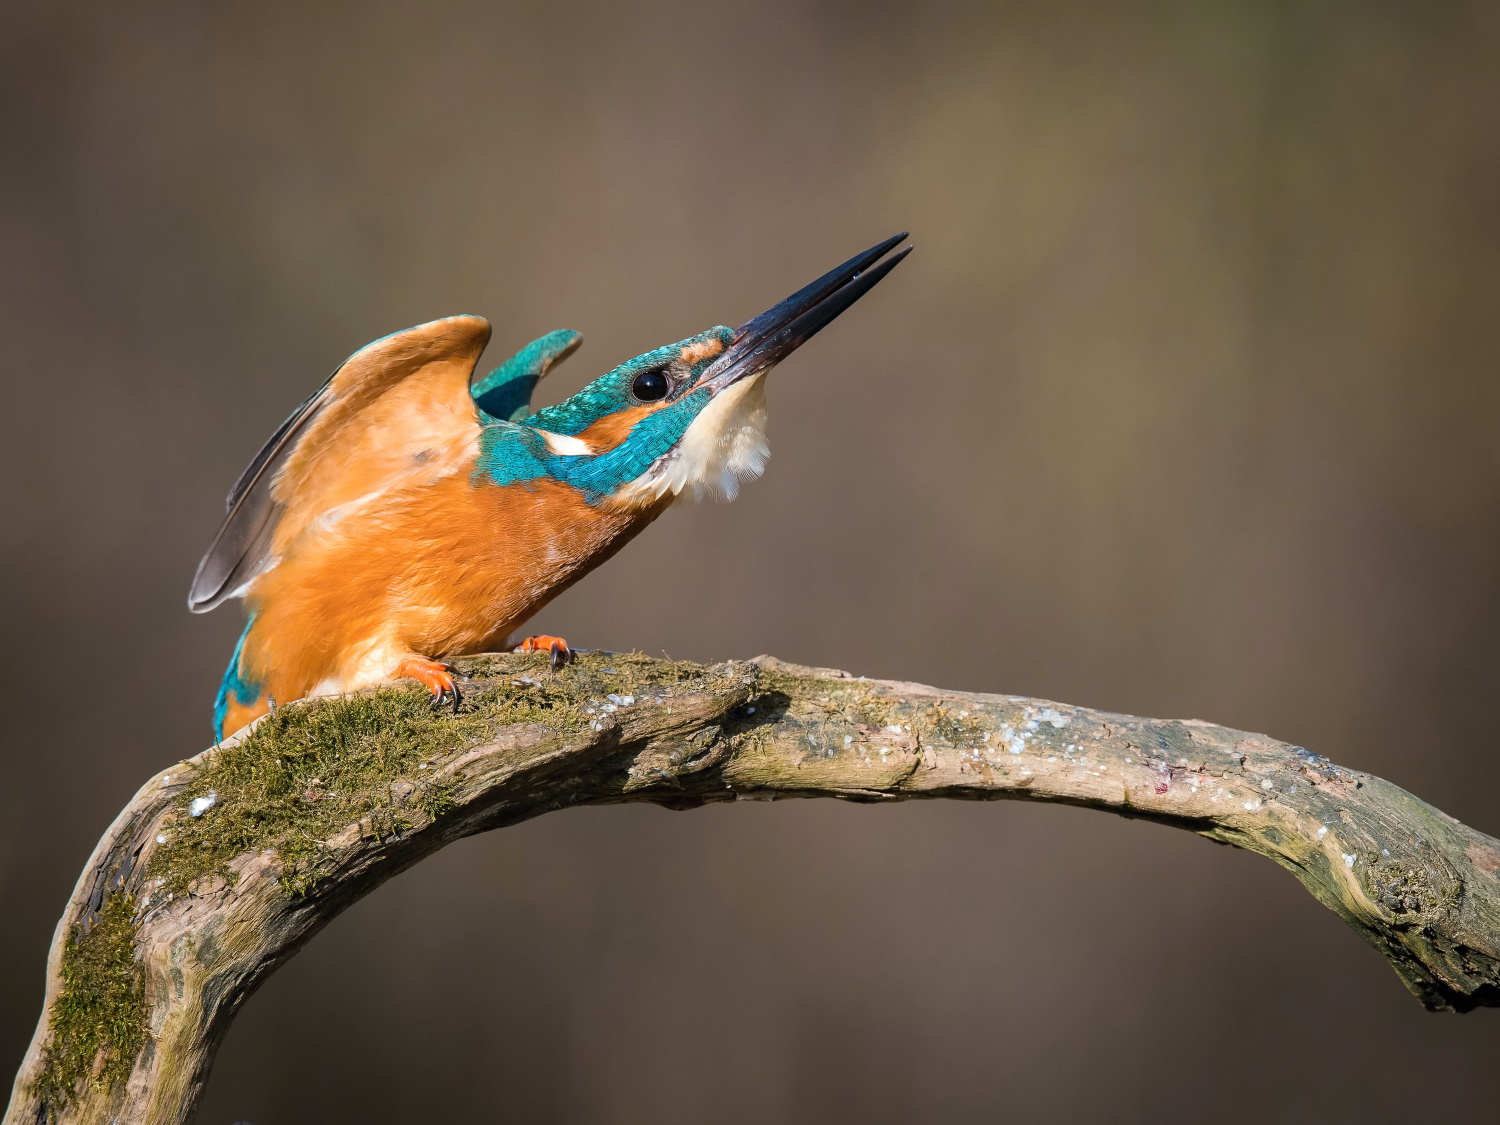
(398, 412)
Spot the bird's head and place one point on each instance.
(690, 415)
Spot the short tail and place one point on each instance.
(240, 700)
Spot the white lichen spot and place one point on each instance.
(1348, 859)
(1053, 758)
(986, 736)
(1251, 805)
(1016, 745)
(1031, 724)
(1056, 718)
(201, 805)
(1266, 784)
(1384, 852)
(165, 781)
(1322, 831)
(161, 839)
(848, 741)
(893, 729)
(627, 700)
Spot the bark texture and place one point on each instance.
(1418, 885)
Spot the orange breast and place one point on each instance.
(441, 570)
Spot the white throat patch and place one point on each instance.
(725, 444)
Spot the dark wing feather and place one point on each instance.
(242, 546)
(273, 444)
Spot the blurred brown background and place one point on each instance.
(1186, 405)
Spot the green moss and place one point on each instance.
(301, 776)
(795, 689)
(98, 1021)
(590, 675)
(312, 769)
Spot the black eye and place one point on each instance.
(651, 386)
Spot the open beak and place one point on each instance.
(769, 338)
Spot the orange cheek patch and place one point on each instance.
(703, 349)
(612, 429)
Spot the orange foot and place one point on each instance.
(561, 653)
(433, 674)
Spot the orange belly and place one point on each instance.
(441, 570)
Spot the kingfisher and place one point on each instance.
(408, 513)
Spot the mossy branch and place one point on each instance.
(223, 866)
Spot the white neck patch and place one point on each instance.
(564, 445)
(725, 444)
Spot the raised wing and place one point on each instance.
(396, 412)
(505, 392)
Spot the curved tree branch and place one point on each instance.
(220, 868)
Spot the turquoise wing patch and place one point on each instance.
(505, 393)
